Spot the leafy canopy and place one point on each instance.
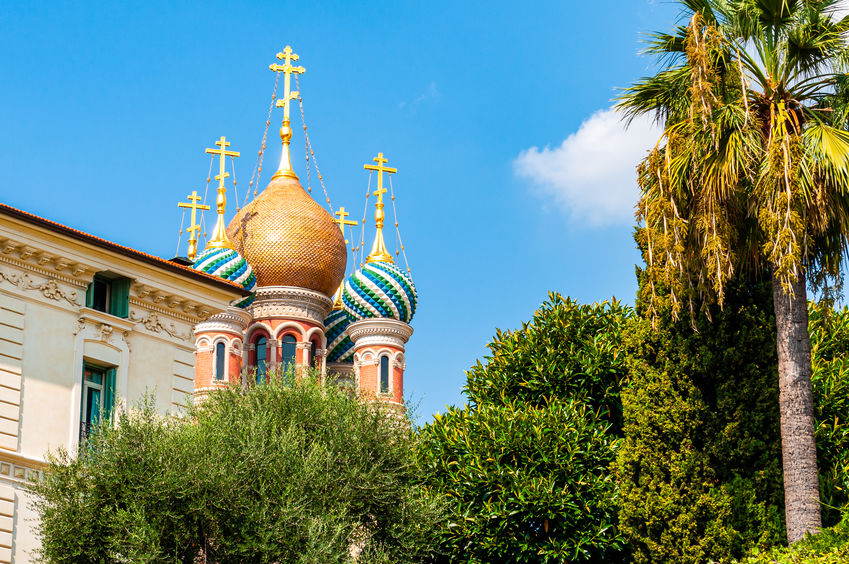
(279, 473)
(752, 169)
(525, 466)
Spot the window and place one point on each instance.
(261, 359)
(312, 355)
(220, 356)
(384, 374)
(289, 348)
(110, 294)
(98, 396)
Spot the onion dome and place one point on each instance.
(289, 239)
(380, 289)
(340, 347)
(226, 263)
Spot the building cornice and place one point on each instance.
(379, 331)
(290, 302)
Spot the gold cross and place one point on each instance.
(219, 236)
(287, 69)
(378, 249)
(380, 170)
(195, 227)
(222, 153)
(342, 222)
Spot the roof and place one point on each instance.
(120, 249)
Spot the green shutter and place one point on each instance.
(109, 394)
(120, 297)
(89, 294)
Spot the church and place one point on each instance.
(88, 326)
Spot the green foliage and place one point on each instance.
(279, 473)
(525, 466)
(567, 350)
(526, 483)
(831, 546)
(699, 468)
(829, 331)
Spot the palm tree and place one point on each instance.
(751, 175)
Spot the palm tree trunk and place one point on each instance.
(796, 403)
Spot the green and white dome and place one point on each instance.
(228, 264)
(340, 348)
(380, 289)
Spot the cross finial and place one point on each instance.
(288, 57)
(341, 221)
(219, 235)
(378, 249)
(195, 226)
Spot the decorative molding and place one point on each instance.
(154, 324)
(379, 331)
(49, 288)
(17, 467)
(37, 261)
(290, 302)
(233, 321)
(168, 304)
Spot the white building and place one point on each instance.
(83, 321)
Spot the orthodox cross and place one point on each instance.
(380, 170)
(342, 222)
(195, 227)
(222, 153)
(287, 69)
(219, 237)
(378, 249)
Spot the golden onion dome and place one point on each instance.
(289, 239)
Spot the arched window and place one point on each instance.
(384, 374)
(219, 361)
(289, 348)
(261, 358)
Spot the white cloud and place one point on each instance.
(592, 174)
(430, 93)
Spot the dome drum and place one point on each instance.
(290, 302)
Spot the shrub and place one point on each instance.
(831, 546)
(830, 382)
(277, 473)
(699, 468)
(524, 467)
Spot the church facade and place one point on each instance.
(88, 327)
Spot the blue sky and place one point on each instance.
(513, 178)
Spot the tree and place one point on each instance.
(752, 175)
(699, 468)
(279, 473)
(525, 466)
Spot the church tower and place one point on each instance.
(380, 301)
(292, 255)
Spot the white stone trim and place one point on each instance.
(290, 302)
(378, 332)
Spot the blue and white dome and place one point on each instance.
(228, 264)
(380, 289)
(340, 348)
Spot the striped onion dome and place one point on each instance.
(229, 265)
(380, 289)
(340, 348)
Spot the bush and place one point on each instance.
(524, 466)
(279, 473)
(700, 466)
(831, 546)
(829, 331)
